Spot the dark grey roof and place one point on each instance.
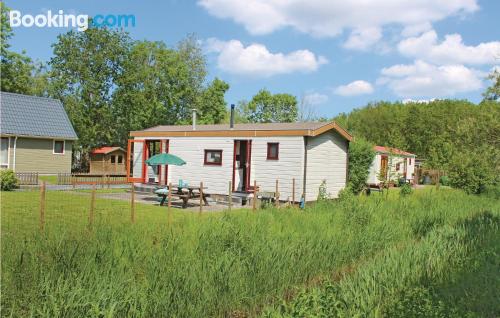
(24, 115)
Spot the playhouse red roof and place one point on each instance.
(105, 150)
(389, 150)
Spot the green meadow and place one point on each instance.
(434, 252)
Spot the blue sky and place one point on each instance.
(337, 55)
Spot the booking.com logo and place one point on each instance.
(61, 20)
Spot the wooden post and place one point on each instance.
(201, 197)
(169, 204)
(293, 191)
(277, 195)
(42, 207)
(92, 206)
(103, 180)
(254, 201)
(108, 180)
(230, 196)
(132, 203)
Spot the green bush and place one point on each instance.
(473, 171)
(322, 194)
(8, 180)
(444, 180)
(405, 190)
(361, 156)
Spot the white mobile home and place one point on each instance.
(217, 154)
(392, 162)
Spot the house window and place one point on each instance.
(409, 161)
(398, 166)
(213, 157)
(4, 155)
(120, 159)
(59, 147)
(273, 149)
(113, 159)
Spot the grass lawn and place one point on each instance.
(217, 264)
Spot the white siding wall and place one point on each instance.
(326, 160)
(374, 170)
(290, 165)
(137, 160)
(192, 150)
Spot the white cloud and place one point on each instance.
(450, 51)
(416, 29)
(315, 98)
(330, 18)
(362, 39)
(422, 79)
(256, 60)
(354, 88)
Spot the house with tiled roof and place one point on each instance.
(36, 134)
(391, 164)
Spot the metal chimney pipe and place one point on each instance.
(194, 118)
(231, 121)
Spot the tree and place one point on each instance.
(84, 71)
(361, 155)
(160, 85)
(493, 92)
(213, 106)
(268, 108)
(15, 68)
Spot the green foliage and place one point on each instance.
(268, 108)
(16, 68)
(213, 106)
(322, 192)
(452, 135)
(8, 180)
(361, 155)
(405, 189)
(493, 92)
(444, 180)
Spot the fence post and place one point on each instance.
(132, 203)
(254, 201)
(201, 197)
(169, 204)
(92, 206)
(277, 195)
(293, 191)
(230, 196)
(42, 207)
(108, 180)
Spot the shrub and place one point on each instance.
(405, 190)
(361, 156)
(444, 180)
(322, 194)
(474, 171)
(8, 180)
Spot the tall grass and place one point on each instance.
(218, 265)
(384, 286)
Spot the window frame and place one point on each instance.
(269, 145)
(119, 159)
(112, 159)
(206, 162)
(6, 165)
(54, 147)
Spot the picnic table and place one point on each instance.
(185, 193)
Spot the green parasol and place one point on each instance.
(165, 159)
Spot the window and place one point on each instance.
(113, 159)
(213, 157)
(409, 161)
(120, 159)
(4, 155)
(59, 147)
(273, 149)
(398, 166)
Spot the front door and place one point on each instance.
(384, 161)
(241, 165)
